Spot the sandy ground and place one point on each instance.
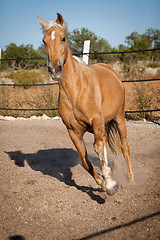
(46, 194)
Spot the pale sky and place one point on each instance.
(112, 20)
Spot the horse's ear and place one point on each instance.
(59, 19)
(42, 22)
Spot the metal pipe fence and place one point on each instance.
(91, 53)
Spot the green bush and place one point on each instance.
(26, 77)
(13, 51)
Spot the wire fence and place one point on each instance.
(56, 83)
(90, 53)
(118, 52)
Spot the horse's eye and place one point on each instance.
(63, 39)
(44, 42)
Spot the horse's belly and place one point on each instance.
(109, 113)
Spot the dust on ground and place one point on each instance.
(46, 194)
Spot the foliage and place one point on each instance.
(76, 40)
(13, 51)
(150, 39)
(41, 50)
(135, 41)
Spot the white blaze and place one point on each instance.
(53, 35)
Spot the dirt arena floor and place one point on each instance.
(46, 194)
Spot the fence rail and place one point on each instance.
(56, 83)
(118, 52)
(29, 109)
(28, 85)
(54, 109)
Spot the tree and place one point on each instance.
(137, 41)
(76, 40)
(154, 37)
(13, 51)
(150, 39)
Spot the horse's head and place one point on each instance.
(55, 44)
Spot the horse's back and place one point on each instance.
(111, 88)
(107, 71)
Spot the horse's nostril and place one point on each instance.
(58, 69)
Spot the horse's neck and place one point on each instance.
(69, 76)
(68, 68)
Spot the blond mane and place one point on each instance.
(54, 24)
(78, 59)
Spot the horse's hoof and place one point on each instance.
(113, 190)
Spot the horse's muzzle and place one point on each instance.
(55, 73)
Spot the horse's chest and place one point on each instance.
(71, 115)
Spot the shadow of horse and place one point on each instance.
(56, 163)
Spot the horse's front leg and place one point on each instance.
(100, 147)
(77, 139)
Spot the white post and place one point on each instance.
(86, 50)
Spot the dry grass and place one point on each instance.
(143, 96)
(32, 98)
(42, 97)
(137, 70)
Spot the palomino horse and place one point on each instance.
(91, 98)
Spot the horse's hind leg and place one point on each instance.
(101, 150)
(111, 185)
(77, 139)
(125, 147)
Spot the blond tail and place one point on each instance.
(113, 136)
